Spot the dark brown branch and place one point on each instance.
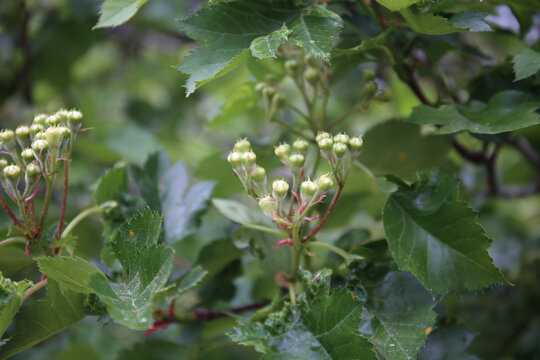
(200, 314)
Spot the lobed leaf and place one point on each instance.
(73, 273)
(526, 64)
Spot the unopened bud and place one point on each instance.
(35, 128)
(322, 135)
(370, 88)
(342, 138)
(74, 118)
(40, 136)
(62, 114)
(3, 164)
(283, 151)
(324, 183)
(268, 205)
(39, 146)
(300, 145)
(242, 145)
(40, 119)
(12, 172)
(312, 75)
(269, 92)
(340, 149)
(32, 171)
(356, 144)
(235, 159)
(296, 161)
(23, 132)
(260, 87)
(310, 59)
(278, 100)
(369, 75)
(52, 120)
(291, 66)
(249, 158)
(325, 144)
(259, 175)
(54, 136)
(308, 189)
(279, 189)
(6, 136)
(27, 155)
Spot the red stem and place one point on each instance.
(11, 214)
(64, 199)
(326, 215)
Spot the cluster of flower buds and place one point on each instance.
(273, 99)
(337, 150)
(287, 205)
(30, 152)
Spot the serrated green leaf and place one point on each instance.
(396, 147)
(147, 266)
(117, 12)
(397, 312)
(437, 238)
(322, 326)
(11, 298)
(44, 318)
(448, 343)
(156, 350)
(266, 46)
(180, 203)
(148, 177)
(470, 20)
(190, 280)
(239, 212)
(428, 23)
(396, 5)
(74, 273)
(505, 111)
(526, 63)
(109, 184)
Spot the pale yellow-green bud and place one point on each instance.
(325, 144)
(242, 145)
(340, 149)
(268, 205)
(259, 175)
(308, 189)
(300, 145)
(36, 128)
(54, 136)
(41, 119)
(27, 155)
(342, 138)
(12, 172)
(39, 146)
(3, 164)
(259, 88)
(322, 135)
(6, 136)
(249, 159)
(279, 189)
(296, 161)
(52, 120)
(235, 159)
(74, 118)
(283, 151)
(22, 132)
(324, 183)
(356, 144)
(32, 171)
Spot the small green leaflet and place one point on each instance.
(506, 111)
(110, 184)
(239, 212)
(74, 273)
(229, 30)
(44, 318)
(470, 20)
(426, 23)
(321, 326)
(11, 298)
(397, 312)
(526, 63)
(396, 5)
(436, 237)
(117, 12)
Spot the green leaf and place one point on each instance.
(188, 281)
(397, 312)
(181, 204)
(110, 184)
(396, 5)
(156, 350)
(470, 20)
(117, 12)
(147, 266)
(322, 326)
(73, 273)
(239, 102)
(436, 237)
(448, 343)
(526, 63)
(44, 318)
(148, 177)
(239, 212)
(266, 46)
(396, 147)
(428, 23)
(506, 111)
(11, 298)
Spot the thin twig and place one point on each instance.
(11, 214)
(64, 199)
(326, 215)
(35, 288)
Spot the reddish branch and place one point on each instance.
(11, 214)
(326, 215)
(64, 199)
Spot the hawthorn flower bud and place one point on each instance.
(278, 100)
(12, 172)
(300, 145)
(235, 159)
(27, 155)
(39, 146)
(309, 59)
(40, 136)
(32, 171)
(279, 189)
(54, 135)
(370, 88)
(312, 75)
(259, 175)
(368, 75)
(3, 164)
(52, 120)
(36, 128)
(340, 149)
(322, 135)
(74, 118)
(268, 205)
(296, 161)
(308, 189)
(249, 158)
(242, 145)
(40, 119)
(62, 114)
(283, 151)
(325, 144)
(341, 138)
(269, 92)
(22, 132)
(260, 87)
(6, 135)
(324, 183)
(291, 66)
(356, 144)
